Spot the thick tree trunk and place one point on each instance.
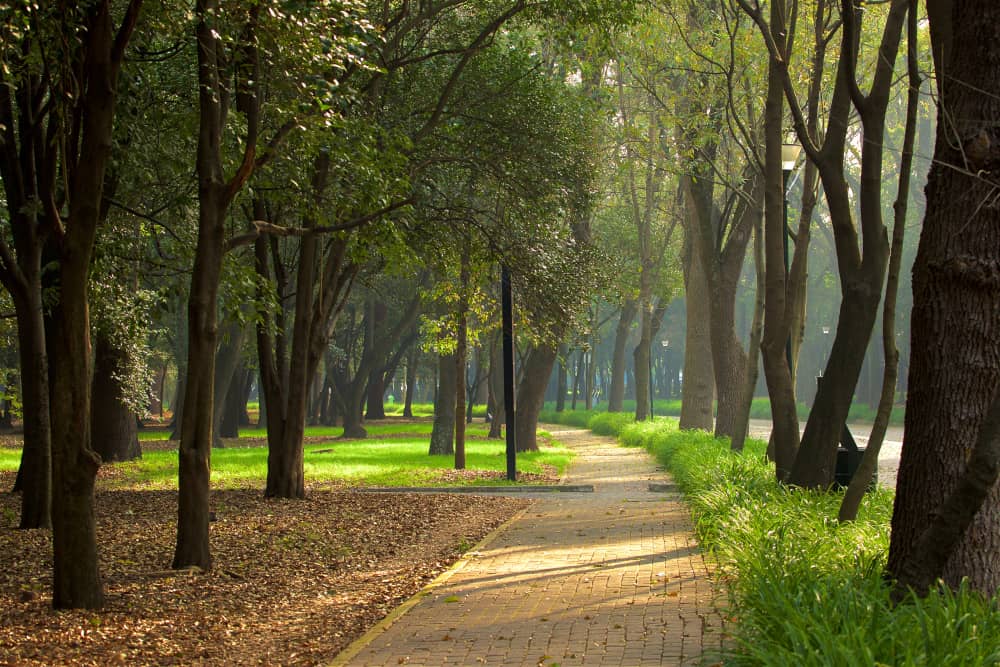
(955, 323)
(531, 394)
(698, 388)
(76, 577)
(616, 394)
(443, 433)
(112, 422)
(375, 400)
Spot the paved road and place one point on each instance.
(612, 577)
(888, 456)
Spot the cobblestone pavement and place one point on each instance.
(613, 577)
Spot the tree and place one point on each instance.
(955, 355)
(72, 136)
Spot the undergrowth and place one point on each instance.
(805, 590)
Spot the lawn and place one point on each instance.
(392, 455)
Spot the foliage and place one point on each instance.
(805, 589)
(610, 423)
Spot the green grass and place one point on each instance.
(805, 590)
(152, 435)
(395, 455)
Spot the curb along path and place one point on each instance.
(613, 577)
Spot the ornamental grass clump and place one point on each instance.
(803, 588)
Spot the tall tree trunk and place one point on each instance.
(375, 400)
(576, 380)
(698, 388)
(192, 548)
(616, 394)
(862, 270)
(112, 423)
(234, 410)
(869, 462)
(496, 386)
(35, 473)
(76, 576)
(177, 405)
(227, 367)
(443, 432)
(376, 379)
(641, 361)
(739, 436)
(536, 369)
(562, 382)
(774, 343)
(411, 381)
(955, 323)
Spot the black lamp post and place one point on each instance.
(789, 156)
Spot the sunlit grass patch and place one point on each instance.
(393, 455)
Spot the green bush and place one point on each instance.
(805, 589)
(610, 423)
(578, 418)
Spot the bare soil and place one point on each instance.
(293, 582)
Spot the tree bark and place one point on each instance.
(443, 432)
(411, 381)
(496, 386)
(698, 387)
(227, 372)
(862, 270)
(869, 462)
(955, 323)
(774, 343)
(616, 394)
(112, 422)
(536, 370)
(35, 473)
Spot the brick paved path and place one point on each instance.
(612, 577)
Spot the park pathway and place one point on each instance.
(613, 577)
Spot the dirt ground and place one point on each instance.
(293, 582)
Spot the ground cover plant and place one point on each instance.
(804, 589)
(293, 582)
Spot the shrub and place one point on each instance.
(804, 589)
(610, 423)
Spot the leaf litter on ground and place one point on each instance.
(293, 582)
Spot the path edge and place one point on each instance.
(354, 648)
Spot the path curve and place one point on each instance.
(613, 577)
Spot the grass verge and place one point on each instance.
(804, 589)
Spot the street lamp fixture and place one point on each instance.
(789, 156)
